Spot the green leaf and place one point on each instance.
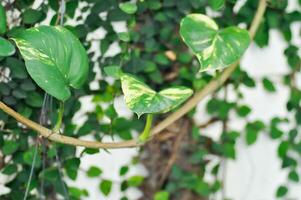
(124, 36)
(94, 171)
(142, 99)
(161, 195)
(10, 169)
(71, 166)
(128, 7)
(229, 150)
(113, 70)
(54, 58)
(7, 49)
(17, 68)
(51, 174)
(105, 187)
(281, 191)
(268, 85)
(135, 181)
(215, 49)
(28, 157)
(3, 26)
(123, 170)
(293, 176)
(216, 4)
(10, 147)
(251, 136)
(34, 99)
(243, 110)
(31, 16)
(77, 193)
(283, 148)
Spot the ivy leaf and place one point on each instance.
(54, 58)
(128, 7)
(114, 71)
(142, 99)
(135, 181)
(3, 26)
(71, 166)
(161, 195)
(94, 171)
(124, 36)
(105, 187)
(31, 16)
(293, 176)
(268, 85)
(281, 191)
(214, 48)
(216, 4)
(6, 48)
(10, 147)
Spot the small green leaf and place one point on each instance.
(17, 68)
(3, 25)
(283, 148)
(215, 49)
(51, 174)
(243, 110)
(229, 150)
(77, 193)
(71, 166)
(142, 99)
(293, 176)
(123, 170)
(6, 48)
(135, 181)
(268, 85)
(28, 157)
(54, 58)
(10, 147)
(105, 187)
(31, 16)
(94, 171)
(216, 4)
(124, 36)
(281, 191)
(161, 195)
(34, 99)
(10, 169)
(113, 70)
(128, 7)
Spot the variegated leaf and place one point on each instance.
(142, 99)
(214, 48)
(54, 58)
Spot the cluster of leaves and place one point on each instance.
(152, 49)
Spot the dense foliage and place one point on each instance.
(153, 50)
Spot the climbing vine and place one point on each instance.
(171, 56)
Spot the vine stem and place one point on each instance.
(144, 136)
(59, 121)
(190, 104)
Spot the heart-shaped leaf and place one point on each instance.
(54, 58)
(6, 48)
(2, 20)
(142, 99)
(215, 49)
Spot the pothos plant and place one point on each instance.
(152, 52)
(57, 62)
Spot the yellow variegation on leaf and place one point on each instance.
(214, 48)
